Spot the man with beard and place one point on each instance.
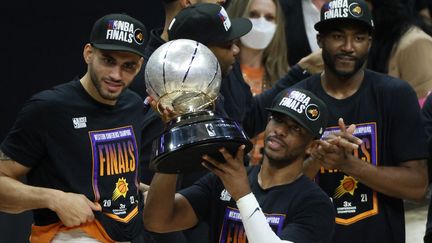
(368, 184)
(78, 144)
(272, 202)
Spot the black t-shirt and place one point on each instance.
(387, 115)
(75, 144)
(427, 115)
(299, 211)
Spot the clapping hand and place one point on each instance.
(333, 151)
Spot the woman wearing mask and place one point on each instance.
(263, 51)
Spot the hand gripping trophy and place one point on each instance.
(184, 76)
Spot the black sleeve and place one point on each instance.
(427, 118)
(25, 141)
(199, 195)
(408, 137)
(256, 116)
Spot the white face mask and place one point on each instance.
(261, 34)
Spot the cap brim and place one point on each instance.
(111, 47)
(283, 112)
(325, 24)
(239, 28)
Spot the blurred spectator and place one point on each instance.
(300, 17)
(421, 7)
(263, 58)
(401, 48)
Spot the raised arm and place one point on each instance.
(165, 210)
(344, 138)
(234, 177)
(408, 180)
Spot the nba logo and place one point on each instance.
(79, 122)
(210, 130)
(225, 19)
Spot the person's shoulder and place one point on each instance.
(385, 81)
(414, 36)
(47, 100)
(57, 93)
(308, 82)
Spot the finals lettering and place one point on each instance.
(296, 101)
(117, 158)
(115, 152)
(120, 30)
(337, 9)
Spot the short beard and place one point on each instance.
(329, 61)
(281, 162)
(107, 96)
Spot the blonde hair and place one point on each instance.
(275, 57)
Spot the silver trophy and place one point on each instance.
(184, 75)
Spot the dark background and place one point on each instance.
(41, 45)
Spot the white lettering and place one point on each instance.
(234, 215)
(273, 220)
(338, 4)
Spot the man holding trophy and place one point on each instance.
(272, 202)
(183, 77)
(216, 23)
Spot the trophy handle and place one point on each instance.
(181, 94)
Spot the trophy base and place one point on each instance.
(180, 148)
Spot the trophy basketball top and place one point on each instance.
(183, 75)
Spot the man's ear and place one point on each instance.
(140, 63)
(370, 42)
(185, 3)
(87, 53)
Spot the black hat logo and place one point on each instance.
(312, 112)
(355, 10)
(138, 37)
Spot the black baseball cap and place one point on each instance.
(207, 23)
(303, 107)
(119, 32)
(342, 10)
